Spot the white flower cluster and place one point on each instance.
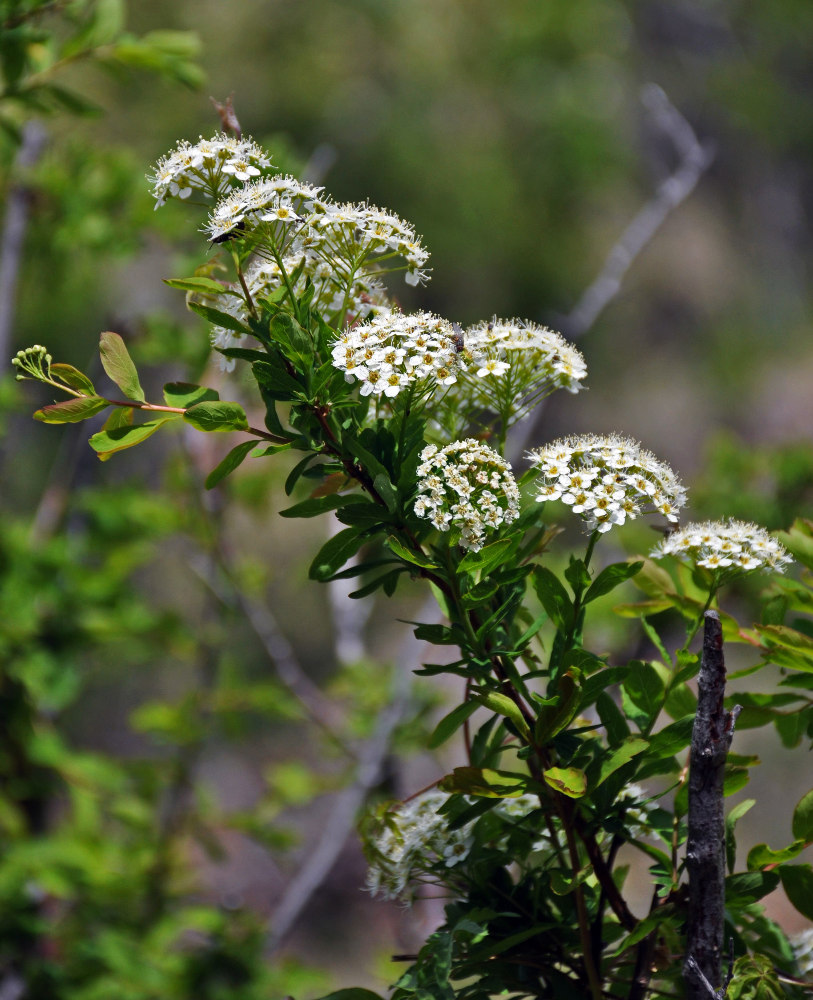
(532, 358)
(731, 546)
(412, 841)
(365, 296)
(283, 203)
(802, 947)
(468, 486)
(210, 165)
(606, 479)
(395, 350)
(353, 239)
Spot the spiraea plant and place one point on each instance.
(401, 421)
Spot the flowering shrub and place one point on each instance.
(401, 422)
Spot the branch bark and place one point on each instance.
(705, 849)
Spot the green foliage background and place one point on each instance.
(512, 135)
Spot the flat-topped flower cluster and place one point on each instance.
(728, 546)
(211, 166)
(466, 486)
(606, 479)
(533, 358)
(395, 350)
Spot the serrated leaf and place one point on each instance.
(570, 781)
(217, 416)
(71, 411)
(119, 366)
(234, 458)
(107, 443)
(186, 394)
(73, 377)
(803, 818)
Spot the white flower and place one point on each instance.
(413, 347)
(210, 166)
(468, 486)
(606, 479)
(733, 546)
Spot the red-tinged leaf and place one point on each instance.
(71, 411)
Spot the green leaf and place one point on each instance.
(120, 416)
(553, 718)
(803, 818)
(672, 739)
(760, 856)
(353, 993)
(218, 318)
(71, 411)
(296, 343)
(739, 810)
(617, 757)
(318, 505)
(642, 692)
(610, 578)
(205, 286)
(384, 488)
(570, 781)
(334, 554)
(119, 366)
(186, 394)
(487, 558)
(416, 558)
(107, 443)
(748, 887)
(450, 723)
(217, 416)
(503, 705)
(486, 782)
(73, 377)
(612, 718)
(797, 881)
(553, 597)
(234, 458)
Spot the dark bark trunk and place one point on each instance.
(705, 849)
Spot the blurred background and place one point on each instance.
(190, 725)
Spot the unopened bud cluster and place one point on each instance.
(606, 480)
(34, 362)
(468, 487)
(728, 546)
